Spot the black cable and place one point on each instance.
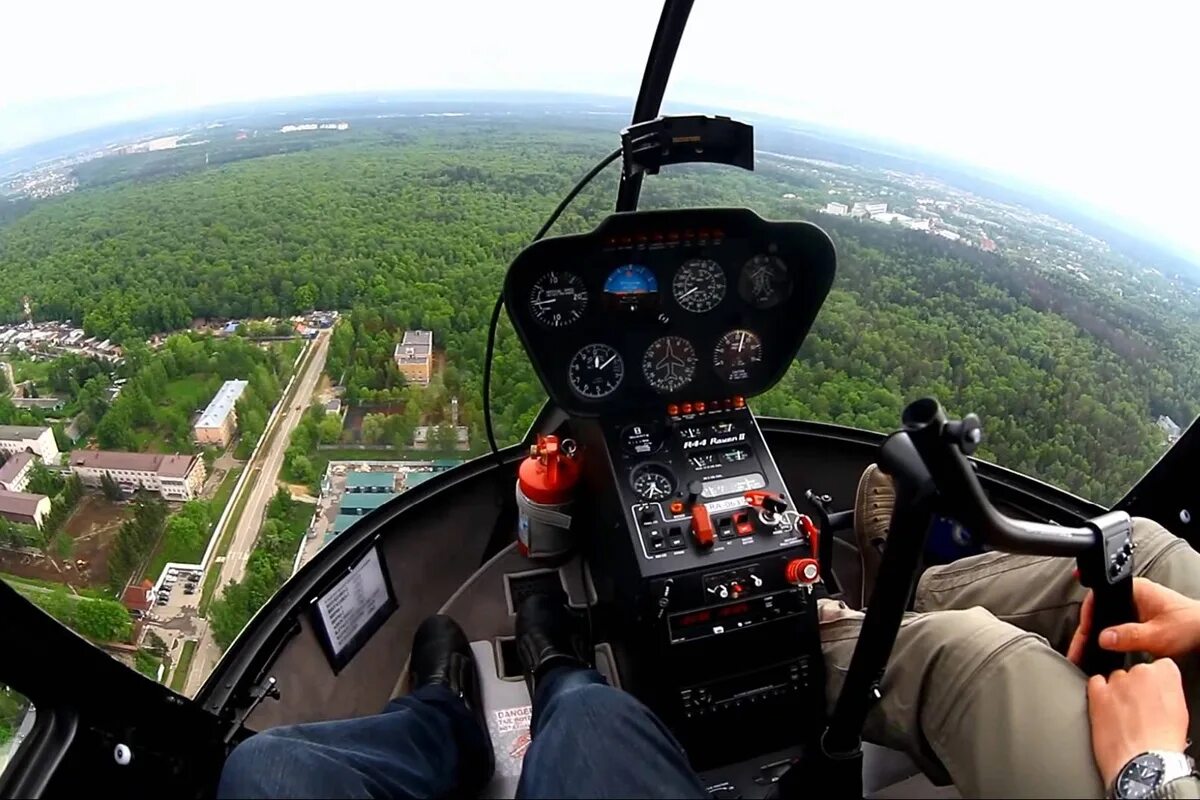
(489, 353)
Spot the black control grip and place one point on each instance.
(1113, 606)
(1107, 569)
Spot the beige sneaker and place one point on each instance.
(873, 504)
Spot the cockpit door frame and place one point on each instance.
(1167, 492)
(100, 727)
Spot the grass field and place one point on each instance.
(26, 370)
(221, 498)
(24, 584)
(179, 676)
(191, 391)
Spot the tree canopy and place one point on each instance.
(415, 231)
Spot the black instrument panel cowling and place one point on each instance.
(645, 248)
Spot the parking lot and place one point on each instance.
(174, 600)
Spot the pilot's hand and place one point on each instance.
(1169, 624)
(1135, 711)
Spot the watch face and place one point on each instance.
(1140, 777)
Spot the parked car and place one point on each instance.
(190, 590)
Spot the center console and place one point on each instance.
(700, 552)
(652, 332)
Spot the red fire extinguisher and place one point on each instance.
(546, 482)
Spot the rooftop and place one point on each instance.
(370, 479)
(176, 466)
(365, 500)
(12, 468)
(415, 348)
(19, 503)
(343, 521)
(417, 478)
(13, 433)
(222, 402)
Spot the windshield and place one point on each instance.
(245, 296)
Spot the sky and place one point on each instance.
(1094, 100)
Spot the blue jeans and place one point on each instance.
(589, 740)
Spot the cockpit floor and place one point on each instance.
(485, 607)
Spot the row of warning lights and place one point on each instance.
(700, 406)
(669, 236)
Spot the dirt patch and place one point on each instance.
(212, 483)
(93, 527)
(300, 492)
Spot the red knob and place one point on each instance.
(803, 571)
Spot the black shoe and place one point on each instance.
(547, 637)
(442, 654)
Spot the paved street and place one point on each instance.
(261, 484)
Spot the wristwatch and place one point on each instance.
(1146, 773)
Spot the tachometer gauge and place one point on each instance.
(669, 363)
(737, 355)
(765, 281)
(558, 299)
(595, 371)
(652, 482)
(699, 285)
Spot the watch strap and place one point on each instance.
(1175, 767)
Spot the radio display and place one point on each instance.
(691, 625)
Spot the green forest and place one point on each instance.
(416, 229)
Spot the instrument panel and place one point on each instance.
(668, 306)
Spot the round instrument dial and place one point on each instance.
(642, 439)
(669, 363)
(699, 285)
(738, 355)
(652, 482)
(558, 298)
(765, 281)
(595, 371)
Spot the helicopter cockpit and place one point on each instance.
(694, 537)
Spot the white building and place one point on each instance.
(14, 475)
(1169, 427)
(218, 422)
(177, 477)
(837, 209)
(864, 209)
(29, 439)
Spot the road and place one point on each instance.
(261, 484)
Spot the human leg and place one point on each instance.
(1040, 594)
(430, 743)
(591, 740)
(425, 744)
(976, 699)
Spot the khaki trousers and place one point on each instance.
(977, 690)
